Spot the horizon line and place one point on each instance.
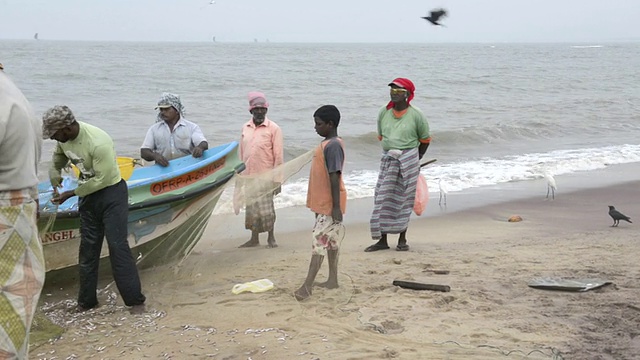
(630, 40)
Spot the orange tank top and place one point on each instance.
(319, 198)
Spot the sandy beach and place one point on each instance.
(489, 313)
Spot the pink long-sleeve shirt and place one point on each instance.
(261, 147)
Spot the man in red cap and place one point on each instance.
(404, 133)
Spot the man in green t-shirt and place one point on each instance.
(404, 133)
(103, 203)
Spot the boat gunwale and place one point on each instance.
(223, 151)
(145, 204)
(226, 150)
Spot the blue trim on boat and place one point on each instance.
(179, 166)
(158, 202)
(149, 175)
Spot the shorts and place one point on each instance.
(327, 235)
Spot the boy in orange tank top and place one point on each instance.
(327, 198)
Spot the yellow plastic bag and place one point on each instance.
(256, 286)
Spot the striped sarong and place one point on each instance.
(395, 193)
(260, 214)
(21, 270)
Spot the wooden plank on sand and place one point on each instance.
(421, 286)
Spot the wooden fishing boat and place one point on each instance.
(169, 208)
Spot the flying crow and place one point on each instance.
(435, 15)
(617, 216)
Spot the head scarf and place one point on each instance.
(169, 99)
(56, 118)
(257, 99)
(405, 84)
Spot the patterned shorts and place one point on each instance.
(327, 235)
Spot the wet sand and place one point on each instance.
(489, 313)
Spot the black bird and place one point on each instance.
(617, 216)
(435, 15)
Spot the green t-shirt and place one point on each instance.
(93, 154)
(403, 133)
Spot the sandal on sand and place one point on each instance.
(402, 247)
(376, 247)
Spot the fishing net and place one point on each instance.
(250, 189)
(47, 217)
(246, 190)
(47, 209)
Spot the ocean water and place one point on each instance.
(498, 113)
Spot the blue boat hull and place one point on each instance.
(163, 225)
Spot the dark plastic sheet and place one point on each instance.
(567, 284)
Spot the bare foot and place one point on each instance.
(328, 285)
(271, 241)
(250, 243)
(303, 293)
(137, 309)
(80, 308)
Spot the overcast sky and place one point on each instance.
(321, 20)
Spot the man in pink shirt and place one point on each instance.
(261, 149)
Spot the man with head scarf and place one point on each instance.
(261, 149)
(172, 136)
(404, 133)
(103, 203)
(22, 265)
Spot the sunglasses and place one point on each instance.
(397, 91)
